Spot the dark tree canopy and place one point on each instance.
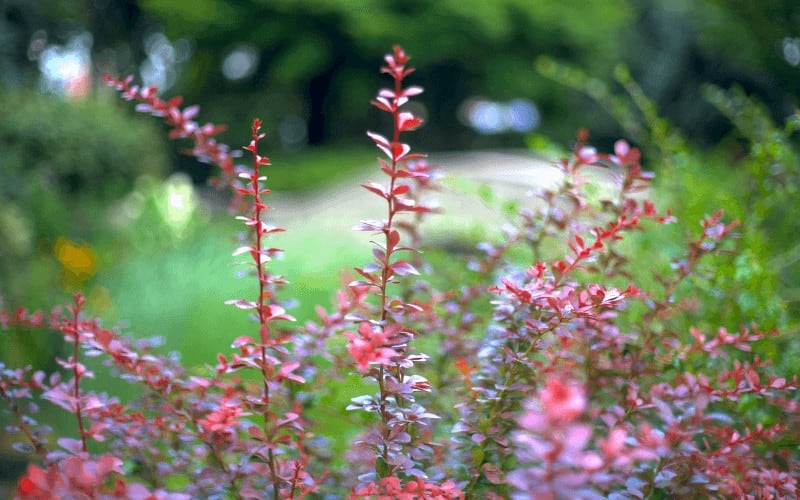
(311, 62)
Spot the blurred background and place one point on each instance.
(309, 67)
(94, 197)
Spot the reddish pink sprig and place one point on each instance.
(368, 347)
(555, 446)
(381, 348)
(183, 125)
(205, 148)
(392, 488)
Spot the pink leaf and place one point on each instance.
(407, 122)
(242, 250)
(71, 445)
(403, 268)
(401, 189)
(242, 304)
(376, 188)
(286, 372)
(493, 473)
(412, 91)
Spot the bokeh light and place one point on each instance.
(241, 62)
(791, 50)
(178, 202)
(161, 67)
(65, 69)
(491, 117)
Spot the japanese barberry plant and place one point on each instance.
(559, 364)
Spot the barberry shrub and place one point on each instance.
(558, 363)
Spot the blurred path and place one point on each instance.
(509, 175)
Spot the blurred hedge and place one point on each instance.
(60, 162)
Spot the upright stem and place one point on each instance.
(76, 368)
(386, 272)
(383, 341)
(398, 88)
(37, 444)
(258, 209)
(263, 317)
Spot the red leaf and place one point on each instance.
(493, 473)
(387, 169)
(285, 372)
(275, 311)
(376, 188)
(241, 341)
(370, 278)
(463, 366)
(399, 151)
(407, 173)
(393, 240)
(382, 104)
(401, 189)
(407, 122)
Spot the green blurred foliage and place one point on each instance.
(677, 46)
(761, 24)
(318, 57)
(753, 175)
(60, 163)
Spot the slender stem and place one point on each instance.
(398, 88)
(263, 318)
(384, 415)
(37, 444)
(386, 271)
(77, 373)
(295, 479)
(260, 271)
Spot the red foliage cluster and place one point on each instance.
(576, 375)
(392, 488)
(79, 477)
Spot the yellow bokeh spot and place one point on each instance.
(101, 301)
(79, 261)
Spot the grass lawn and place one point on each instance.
(153, 284)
